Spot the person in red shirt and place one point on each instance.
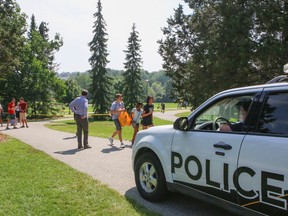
(23, 109)
(11, 113)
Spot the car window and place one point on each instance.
(230, 108)
(274, 116)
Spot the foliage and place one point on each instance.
(37, 79)
(101, 83)
(162, 83)
(224, 44)
(12, 28)
(30, 68)
(72, 90)
(132, 88)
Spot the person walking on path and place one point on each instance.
(23, 110)
(162, 107)
(148, 113)
(1, 115)
(136, 114)
(17, 113)
(79, 106)
(116, 108)
(11, 114)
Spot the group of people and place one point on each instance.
(140, 115)
(138, 112)
(16, 113)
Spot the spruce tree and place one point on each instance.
(101, 82)
(33, 27)
(132, 87)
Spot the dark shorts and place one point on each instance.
(147, 122)
(117, 124)
(11, 116)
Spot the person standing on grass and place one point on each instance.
(136, 114)
(11, 114)
(116, 108)
(23, 110)
(79, 106)
(148, 113)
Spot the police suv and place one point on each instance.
(244, 166)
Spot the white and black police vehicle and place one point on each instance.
(245, 167)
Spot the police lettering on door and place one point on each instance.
(272, 186)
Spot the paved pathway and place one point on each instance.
(169, 115)
(110, 165)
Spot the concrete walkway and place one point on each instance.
(109, 165)
(169, 115)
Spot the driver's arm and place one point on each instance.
(225, 127)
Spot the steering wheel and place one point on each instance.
(217, 119)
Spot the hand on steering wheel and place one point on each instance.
(217, 119)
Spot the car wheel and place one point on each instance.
(150, 178)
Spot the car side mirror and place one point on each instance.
(181, 124)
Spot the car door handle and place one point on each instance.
(223, 146)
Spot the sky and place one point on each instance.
(73, 20)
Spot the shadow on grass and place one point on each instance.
(69, 152)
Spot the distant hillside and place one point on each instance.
(157, 81)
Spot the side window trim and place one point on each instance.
(254, 115)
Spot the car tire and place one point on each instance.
(150, 178)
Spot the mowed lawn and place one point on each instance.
(157, 107)
(33, 183)
(100, 128)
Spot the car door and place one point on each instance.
(204, 158)
(262, 176)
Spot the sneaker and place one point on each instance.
(14, 127)
(27, 126)
(111, 141)
(7, 128)
(22, 126)
(122, 146)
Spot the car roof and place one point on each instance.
(281, 84)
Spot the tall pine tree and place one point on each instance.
(101, 82)
(132, 87)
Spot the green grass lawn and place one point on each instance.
(100, 128)
(90, 108)
(184, 114)
(32, 183)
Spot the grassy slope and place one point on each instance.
(32, 183)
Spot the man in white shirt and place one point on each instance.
(79, 107)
